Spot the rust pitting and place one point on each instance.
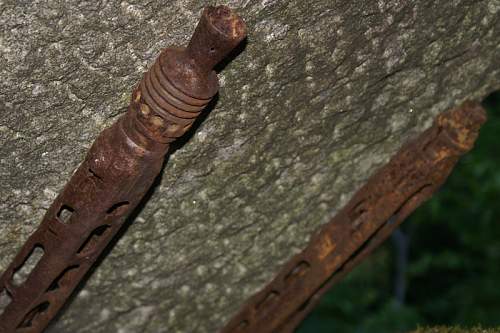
(118, 170)
(394, 192)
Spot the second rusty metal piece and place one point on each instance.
(410, 178)
(116, 173)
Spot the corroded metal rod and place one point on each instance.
(116, 173)
(410, 178)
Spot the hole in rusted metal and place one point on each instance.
(33, 314)
(271, 297)
(22, 273)
(63, 278)
(358, 210)
(94, 174)
(118, 208)
(298, 271)
(91, 241)
(64, 214)
(5, 299)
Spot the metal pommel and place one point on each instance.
(182, 81)
(219, 31)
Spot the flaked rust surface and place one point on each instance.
(117, 172)
(396, 190)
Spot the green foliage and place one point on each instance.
(444, 329)
(453, 273)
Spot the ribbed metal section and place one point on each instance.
(162, 107)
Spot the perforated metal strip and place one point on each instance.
(115, 175)
(410, 178)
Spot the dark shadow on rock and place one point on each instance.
(232, 55)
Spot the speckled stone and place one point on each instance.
(323, 94)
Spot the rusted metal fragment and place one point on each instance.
(115, 175)
(396, 190)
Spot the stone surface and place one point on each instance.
(323, 94)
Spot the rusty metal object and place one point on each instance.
(396, 190)
(118, 170)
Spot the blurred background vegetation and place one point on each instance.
(442, 267)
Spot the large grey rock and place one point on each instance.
(324, 93)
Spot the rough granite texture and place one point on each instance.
(323, 94)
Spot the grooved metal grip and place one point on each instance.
(116, 173)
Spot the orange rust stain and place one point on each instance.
(325, 247)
